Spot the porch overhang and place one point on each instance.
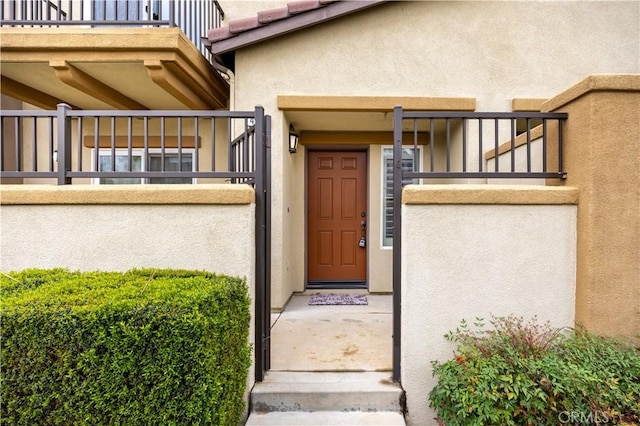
(108, 68)
(359, 113)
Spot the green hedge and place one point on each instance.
(141, 347)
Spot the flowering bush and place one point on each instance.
(519, 372)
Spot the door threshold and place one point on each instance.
(336, 285)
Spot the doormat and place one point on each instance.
(338, 299)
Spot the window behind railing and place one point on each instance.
(141, 160)
(194, 18)
(131, 147)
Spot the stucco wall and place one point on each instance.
(118, 228)
(124, 237)
(490, 51)
(602, 158)
(473, 252)
(203, 227)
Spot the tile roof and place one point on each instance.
(274, 22)
(265, 17)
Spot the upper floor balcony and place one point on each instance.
(110, 54)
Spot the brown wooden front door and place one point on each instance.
(337, 211)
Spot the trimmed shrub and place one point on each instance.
(141, 347)
(525, 373)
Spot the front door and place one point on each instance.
(337, 219)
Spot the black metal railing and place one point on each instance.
(458, 144)
(194, 18)
(118, 147)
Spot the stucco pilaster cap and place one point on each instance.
(594, 83)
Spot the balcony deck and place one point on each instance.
(109, 64)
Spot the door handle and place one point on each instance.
(363, 225)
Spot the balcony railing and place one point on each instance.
(124, 147)
(194, 18)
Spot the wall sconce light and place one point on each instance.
(294, 137)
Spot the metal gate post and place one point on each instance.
(260, 315)
(267, 246)
(397, 239)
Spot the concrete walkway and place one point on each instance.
(330, 365)
(333, 338)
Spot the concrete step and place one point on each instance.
(306, 391)
(364, 392)
(331, 418)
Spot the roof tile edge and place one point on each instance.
(278, 16)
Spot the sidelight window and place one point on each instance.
(410, 162)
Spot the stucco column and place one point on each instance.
(602, 159)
